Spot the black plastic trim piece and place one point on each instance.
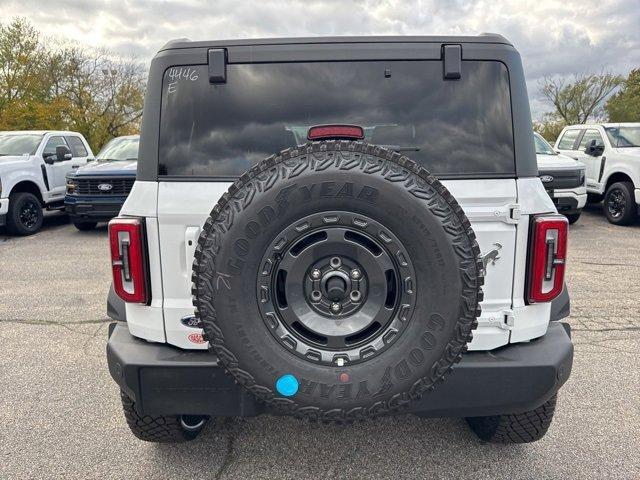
(561, 305)
(115, 306)
(45, 177)
(165, 380)
(218, 65)
(452, 62)
(603, 163)
(488, 38)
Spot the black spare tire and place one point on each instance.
(337, 280)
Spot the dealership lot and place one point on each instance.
(60, 414)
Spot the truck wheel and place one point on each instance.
(519, 428)
(337, 280)
(161, 429)
(573, 217)
(25, 214)
(85, 226)
(619, 203)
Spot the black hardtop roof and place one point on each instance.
(486, 38)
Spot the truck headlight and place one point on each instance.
(583, 178)
(71, 186)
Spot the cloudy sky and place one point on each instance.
(554, 37)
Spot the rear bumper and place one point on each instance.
(567, 201)
(164, 380)
(93, 209)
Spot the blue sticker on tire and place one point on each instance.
(287, 385)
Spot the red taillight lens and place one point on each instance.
(323, 132)
(128, 259)
(548, 255)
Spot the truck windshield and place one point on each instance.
(121, 148)
(542, 147)
(19, 144)
(457, 128)
(621, 137)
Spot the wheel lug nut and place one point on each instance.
(335, 262)
(355, 274)
(315, 274)
(335, 307)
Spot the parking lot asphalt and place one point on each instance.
(60, 414)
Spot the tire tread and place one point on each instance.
(343, 155)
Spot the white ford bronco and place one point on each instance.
(338, 229)
(563, 178)
(33, 170)
(611, 152)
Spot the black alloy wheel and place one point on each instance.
(332, 295)
(25, 215)
(619, 203)
(29, 213)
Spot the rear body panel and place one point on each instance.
(501, 224)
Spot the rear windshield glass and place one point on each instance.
(452, 128)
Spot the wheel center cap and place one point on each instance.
(336, 287)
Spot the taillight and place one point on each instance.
(128, 259)
(324, 132)
(547, 257)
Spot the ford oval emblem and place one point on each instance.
(105, 187)
(546, 178)
(191, 321)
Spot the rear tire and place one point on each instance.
(524, 427)
(573, 217)
(25, 214)
(620, 204)
(85, 226)
(161, 429)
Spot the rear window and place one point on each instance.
(77, 147)
(453, 128)
(568, 139)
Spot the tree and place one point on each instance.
(549, 127)
(624, 106)
(62, 86)
(578, 101)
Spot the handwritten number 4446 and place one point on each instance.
(176, 74)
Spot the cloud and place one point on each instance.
(554, 37)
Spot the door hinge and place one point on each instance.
(514, 213)
(503, 319)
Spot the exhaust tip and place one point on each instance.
(192, 422)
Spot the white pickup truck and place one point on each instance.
(611, 152)
(563, 179)
(33, 170)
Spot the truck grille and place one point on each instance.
(91, 186)
(555, 179)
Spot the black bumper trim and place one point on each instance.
(116, 308)
(561, 305)
(164, 380)
(566, 204)
(3, 220)
(93, 211)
